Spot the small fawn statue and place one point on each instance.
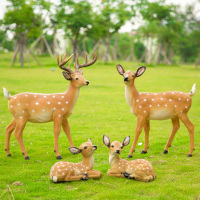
(147, 106)
(67, 171)
(139, 169)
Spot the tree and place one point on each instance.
(21, 19)
(75, 18)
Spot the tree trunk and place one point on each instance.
(21, 49)
(15, 54)
(107, 49)
(47, 45)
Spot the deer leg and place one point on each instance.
(146, 130)
(176, 126)
(66, 128)
(138, 130)
(20, 124)
(190, 126)
(9, 130)
(115, 173)
(94, 174)
(57, 127)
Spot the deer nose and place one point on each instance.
(125, 78)
(87, 82)
(117, 151)
(95, 147)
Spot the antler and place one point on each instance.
(86, 64)
(63, 62)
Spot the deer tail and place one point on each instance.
(192, 92)
(6, 94)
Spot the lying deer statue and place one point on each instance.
(67, 171)
(139, 169)
(40, 108)
(156, 106)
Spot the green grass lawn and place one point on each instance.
(100, 109)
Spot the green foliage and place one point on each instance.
(100, 109)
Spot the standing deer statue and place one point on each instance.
(40, 108)
(146, 106)
(67, 171)
(139, 169)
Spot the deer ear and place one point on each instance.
(67, 75)
(106, 140)
(74, 150)
(120, 69)
(126, 141)
(89, 140)
(140, 71)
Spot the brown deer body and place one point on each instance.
(172, 105)
(139, 169)
(67, 171)
(41, 108)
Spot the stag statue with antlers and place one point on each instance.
(40, 108)
(147, 106)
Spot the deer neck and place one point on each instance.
(113, 159)
(88, 161)
(72, 94)
(131, 94)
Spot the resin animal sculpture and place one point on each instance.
(41, 108)
(139, 169)
(147, 106)
(67, 171)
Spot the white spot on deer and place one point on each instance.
(26, 95)
(161, 98)
(48, 102)
(137, 100)
(186, 107)
(44, 96)
(175, 106)
(63, 173)
(23, 111)
(36, 103)
(179, 99)
(166, 105)
(155, 94)
(11, 106)
(14, 97)
(158, 105)
(59, 115)
(62, 96)
(181, 92)
(140, 106)
(54, 108)
(139, 93)
(66, 169)
(18, 104)
(147, 93)
(20, 117)
(35, 96)
(59, 102)
(27, 104)
(145, 100)
(172, 92)
(53, 96)
(170, 99)
(164, 93)
(150, 105)
(152, 99)
(181, 111)
(43, 110)
(57, 166)
(33, 110)
(144, 111)
(187, 99)
(66, 102)
(63, 109)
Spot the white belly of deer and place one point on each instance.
(41, 117)
(160, 114)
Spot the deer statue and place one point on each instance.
(40, 108)
(139, 169)
(156, 106)
(67, 171)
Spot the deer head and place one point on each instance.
(130, 76)
(76, 77)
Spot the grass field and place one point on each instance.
(100, 109)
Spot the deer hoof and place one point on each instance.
(9, 155)
(129, 156)
(27, 158)
(143, 152)
(126, 175)
(59, 157)
(189, 155)
(165, 152)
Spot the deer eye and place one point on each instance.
(76, 78)
(112, 146)
(85, 147)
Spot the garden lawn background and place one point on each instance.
(101, 109)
